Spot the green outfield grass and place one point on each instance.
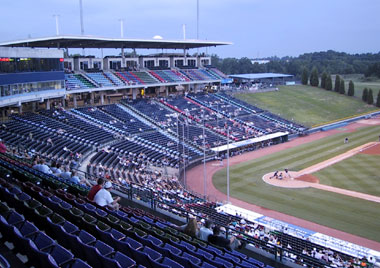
(337, 211)
(307, 105)
(359, 173)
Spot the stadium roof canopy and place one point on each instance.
(64, 41)
(259, 76)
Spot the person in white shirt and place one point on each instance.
(205, 231)
(104, 198)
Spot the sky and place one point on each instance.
(257, 28)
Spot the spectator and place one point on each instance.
(220, 241)
(50, 141)
(44, 168)
(56, 168)
(192, 228)
(205, 231)
(3, 148)
(74, 177)
(66, 174)
(104, 198)
(91, 194)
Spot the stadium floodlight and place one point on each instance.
(81, 17)
(184, 156)
(121, 28)
(204, 158)
(228, 164)
(56, 24)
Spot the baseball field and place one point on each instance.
(345, 213)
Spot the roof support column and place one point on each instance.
(48, 104)
(122, 58)
(75, 100)
(102, 98)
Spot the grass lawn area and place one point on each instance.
(307, 105)
(361, 82)
(358, 173)
(352, 215)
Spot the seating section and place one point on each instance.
(132, 124)
(101, 79)
(59, 229)
(92, 79)
(145, 77)
(31, 132)
(77, 81)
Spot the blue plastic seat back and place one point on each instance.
(154, 255)
(60, 254)
(173, 250)
(133, 243)
(28, 229)
(103, 248)
(43, 241)
(224, 262)
(171, 263)
(15, 219)
(155, 240)
(124, 260)
(191, 258)
(86, 237)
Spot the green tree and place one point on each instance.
(378, 99)
(323, 80)
(314, 79)
(351, 89)
(337, 83)
(365, 95)
(305, 76)
(342, 89)
(328, 82)
(370, 97)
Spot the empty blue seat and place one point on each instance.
(118, 260)
(169, 262)
(76, 263)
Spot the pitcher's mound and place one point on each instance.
(287, 181)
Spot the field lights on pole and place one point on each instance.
(228, 164)
(204, 158)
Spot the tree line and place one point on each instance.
(329, 61)
(325, 82)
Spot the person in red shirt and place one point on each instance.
(3, 148)
(91, 194)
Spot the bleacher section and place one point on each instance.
(77, 81)
(120, 78)
(56, 227)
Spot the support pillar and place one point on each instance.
(75, 100)
(47, 104)
(63, 101)
(20, 109)
(92, 100)
(34, 106)
(135, 91)
(102, 98)
(167, 92)
(122, 58)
